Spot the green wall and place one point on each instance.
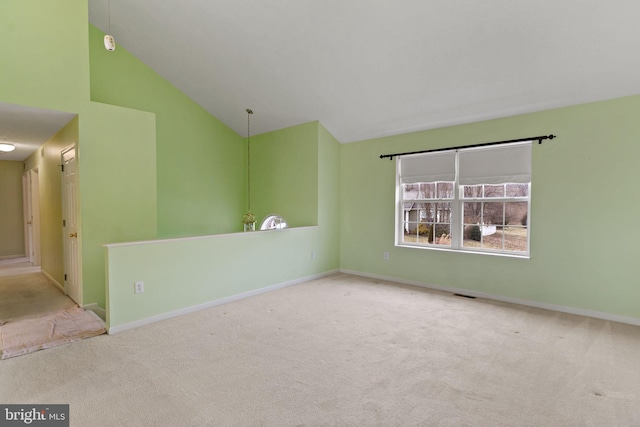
(328, 199)
(43, 56)
(284, 174)
(180, 274)
(200, 168)
(584, 233)
(45, 63)
(117, 179)
(11, 213)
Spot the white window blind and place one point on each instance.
(430, 167)
(495, 165)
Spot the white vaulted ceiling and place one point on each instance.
(371, 68)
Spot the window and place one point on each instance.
(474, 199)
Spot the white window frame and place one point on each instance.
(457, 220)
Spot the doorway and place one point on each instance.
(31, 209)
(72, 282)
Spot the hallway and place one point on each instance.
(28, 295)
(36, 315)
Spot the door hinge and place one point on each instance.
(64, 222)
(61, 168)
(65, 277)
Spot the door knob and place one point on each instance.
(73, 235)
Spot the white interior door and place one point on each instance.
(31, 204)
(28, 221)
(72, 283)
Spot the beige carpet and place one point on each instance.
(345, 351)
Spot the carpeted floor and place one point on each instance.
(345, 351)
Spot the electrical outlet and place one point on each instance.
(314, 254)
(385, 255)
(138, 287)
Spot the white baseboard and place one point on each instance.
(198, 307)
(54, 281)
(10, 259)
(537, 304)
(17, 271)
(100, 312)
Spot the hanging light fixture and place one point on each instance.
(6, 147)
(109, 41)
(249, 219)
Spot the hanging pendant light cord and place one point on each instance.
(109, 16)
(249, 113)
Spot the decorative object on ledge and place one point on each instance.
(249, 219)
(109, 41)
(273, 222)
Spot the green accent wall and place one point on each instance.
(11, 214)
(45, 64)
(117, 180)
(584, 233)
(43, 56)
(181, 274)
(328, 199)
(284, 174)
(200, 167)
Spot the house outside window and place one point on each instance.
(472, 200)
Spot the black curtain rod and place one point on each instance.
(484, 144)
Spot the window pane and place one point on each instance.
(471, 191)
(515, 239)
(443, 212)
(472, 236)
(410, 191)
(492, 237)
(493, 213)
(442, 235)
(427, 191)
(426, 212)
(411, 212)
(494, 190)
(410, 234)
(445, 190)
(517, 190)
(424, 233)
(515, 213)
(472, 212)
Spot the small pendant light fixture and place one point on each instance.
(109, 41)
(249, 219)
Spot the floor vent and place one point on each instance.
(464, 296)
